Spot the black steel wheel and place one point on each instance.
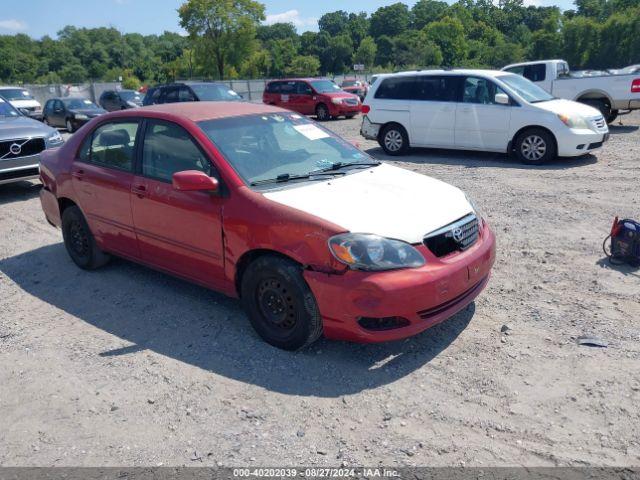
(279, 303)
(79, 241)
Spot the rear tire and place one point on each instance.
(612, 117)
(79, 241)
(394, 140)
(279, 303)
(322, 113)
(535, 146)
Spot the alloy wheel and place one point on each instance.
(533, 147)
(393, 140)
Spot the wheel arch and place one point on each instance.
(64, 203)
(511, 145)
(594, 94)
(250, 256)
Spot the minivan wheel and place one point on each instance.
(535, 146)
(279, 303)
(394, 140)
(79, 241)
(322, 113)
(69, 126)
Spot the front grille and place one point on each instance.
(22, 147)
(599, 123)
(458, 236)
(351, 101)
(432, 312)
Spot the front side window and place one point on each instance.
(112, 145)
(185, 95)
(396, 88)
(168, 149)
(535, 73)
(6, 110)
(304, 89)
(267, 146)
(436, 88)
(480, 90)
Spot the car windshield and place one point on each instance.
(130, 96)
(79, 103)
(350, 83)
(267, 146)
(325, 86)
(525, 88)
(16, 94)
(6, 110)
(214, 93)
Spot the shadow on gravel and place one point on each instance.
(623, 269)
(18, 192)
(191, 324)
(616, 129)
(471, 159)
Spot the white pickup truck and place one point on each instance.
(609, 93)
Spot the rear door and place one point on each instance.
(102, 176)
(433, 110)
(481, 123)
(180, 232)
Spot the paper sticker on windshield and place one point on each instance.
(310, 131)
(88, 102)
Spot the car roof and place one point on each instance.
(9, 87)
(199, 111)
(189, 82)
(455, 71)
(307, 79)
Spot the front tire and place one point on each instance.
(535, 147)
(322, 113)
(79, 241)
(394, 140)
(69, 126)
(279, 303)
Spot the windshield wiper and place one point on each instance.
(286, 177)
(340, 165)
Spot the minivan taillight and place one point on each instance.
(635, 86)
(365, 109)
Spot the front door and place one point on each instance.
(102, 176)
(180, 232)
(58, 116)
(481, 123)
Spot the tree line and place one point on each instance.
(229, 40)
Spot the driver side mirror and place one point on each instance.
(194, 181)
(502, 99)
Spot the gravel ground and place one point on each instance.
(127, 366)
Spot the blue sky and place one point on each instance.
(46, 17)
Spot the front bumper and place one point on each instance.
(18, 169)
(572, 143)
(343, 109)
(422, 296)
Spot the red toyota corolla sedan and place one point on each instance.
(313, 235)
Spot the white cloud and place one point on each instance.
(291, 16)
(13, 25)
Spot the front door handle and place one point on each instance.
(139, 190)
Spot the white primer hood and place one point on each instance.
(388, 201)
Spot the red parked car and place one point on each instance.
(357, 87)
(309, 96)
(313, 235)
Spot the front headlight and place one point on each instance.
(55, 138)
(80, 116)
(574, 121)
(336, 101)
(476, 210)
(373, 253)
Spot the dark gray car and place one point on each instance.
(21, 141)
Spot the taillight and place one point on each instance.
(365, 109)
(635, 86)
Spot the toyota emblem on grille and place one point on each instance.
(15, 149)
(457, 234)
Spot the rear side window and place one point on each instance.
(168, 149)
(436, 88)
(152, 97)
(112, 145)
(288, 87)
(186, 95)
(396, 88)
(273, 87)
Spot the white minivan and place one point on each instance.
(478, 110)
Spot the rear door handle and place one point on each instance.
(139, 190)
(79, 174)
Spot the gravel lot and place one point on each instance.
(126, 366)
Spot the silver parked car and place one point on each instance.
(21, 141)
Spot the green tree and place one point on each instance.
(581, 42)
(427, 11)
(366, 52)
(391, 20)
(334, 23)
(304, 66)
(448, 35)
(228, 28)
